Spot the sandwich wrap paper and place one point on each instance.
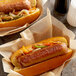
(41, 30)
(12, 30)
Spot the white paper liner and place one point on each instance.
(39, 31)
(12, 30)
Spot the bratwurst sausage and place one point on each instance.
(7, 6)
(55, 49)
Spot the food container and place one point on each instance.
(51, 28)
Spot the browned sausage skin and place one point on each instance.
(55, 49)
(17, 5)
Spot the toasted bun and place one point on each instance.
(53, 52)
(46, 65)
(23, 20)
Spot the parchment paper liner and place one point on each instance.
(12, 30)
(39, 31)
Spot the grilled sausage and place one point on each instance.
(7, 6)
(53, 50)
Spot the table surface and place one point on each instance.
(9, 38)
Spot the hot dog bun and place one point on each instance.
(35, 62)
(23, 20)
(46, 65)
(58, 47)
